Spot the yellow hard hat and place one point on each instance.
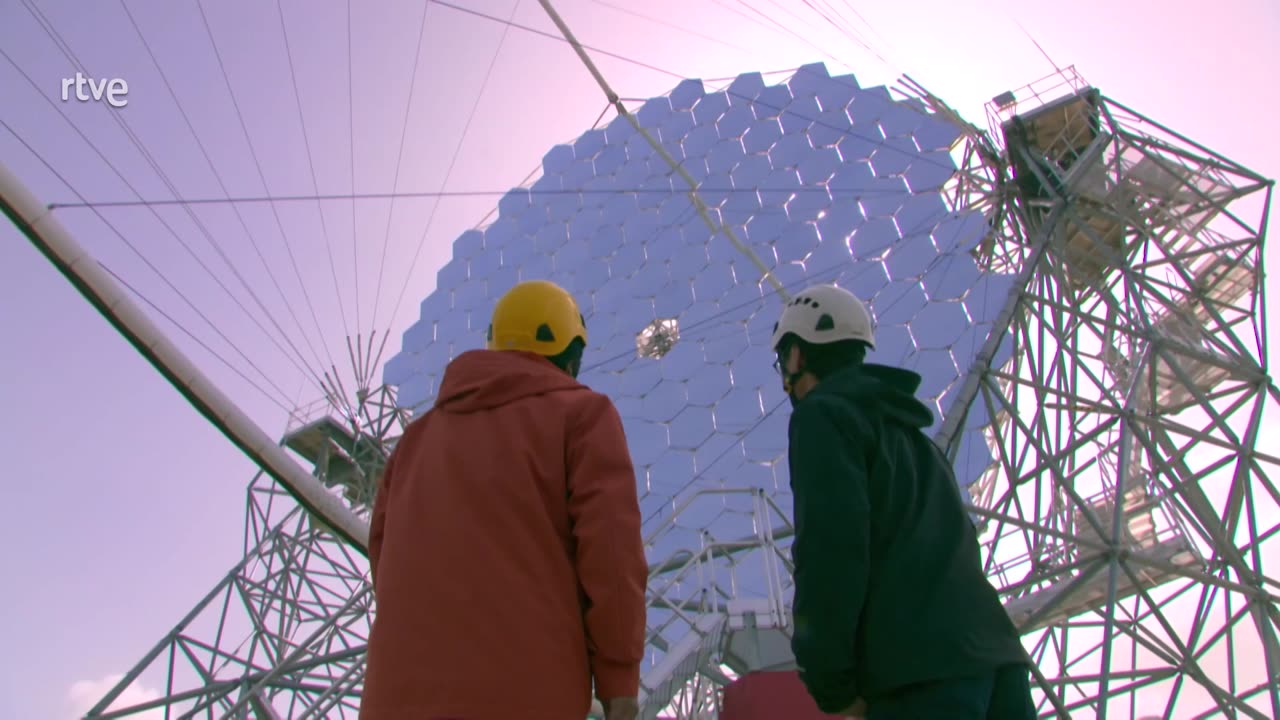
(536, 316)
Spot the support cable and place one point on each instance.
(706, 37)
(553, 36)
(275, 212)
(395, 182)
(351, 138)
(43, 229)
(249, 199)
(183, 329)
(311, 165)
(71, 57)
(308, 372)
(666, 156)
(453, 163)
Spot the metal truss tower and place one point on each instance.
(283, 633)
(1133, 506)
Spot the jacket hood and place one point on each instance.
(889, 390)
(483, 379)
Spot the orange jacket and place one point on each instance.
(508, 567)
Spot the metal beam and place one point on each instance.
(37, 222)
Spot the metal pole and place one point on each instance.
(1118, 525)
(36, 221)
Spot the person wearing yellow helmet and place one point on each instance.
(540, 317)
(505, 548)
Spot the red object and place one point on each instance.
(498, 511)
(770, 696)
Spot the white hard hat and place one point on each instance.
(824, 314)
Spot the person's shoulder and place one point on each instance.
(580, 401)
(577, 393)
(833, 416)
(412, 437)
(814, 411)
(828, 407)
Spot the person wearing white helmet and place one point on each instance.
(894, 616)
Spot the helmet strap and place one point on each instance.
(790, 379)
(789, 384)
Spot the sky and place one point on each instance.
(127, 505)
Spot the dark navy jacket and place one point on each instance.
(889, 585)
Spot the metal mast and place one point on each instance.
(283, 633)
(1131, 501)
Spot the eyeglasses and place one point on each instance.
(779, 360)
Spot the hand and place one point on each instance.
(621, 708)
(857, 710)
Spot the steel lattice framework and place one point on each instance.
(1118, 361)
(283, 634)
(1131, 509)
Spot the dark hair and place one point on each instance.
(570, 360)
(825, 360)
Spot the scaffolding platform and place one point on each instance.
(340, 458)
(1092, 594)
(1059, 149)
(1060, 129)
(1069, 596)
(1218, 284)
(1118, 191)
(1194, 365)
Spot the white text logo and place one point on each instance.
(114, 90)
